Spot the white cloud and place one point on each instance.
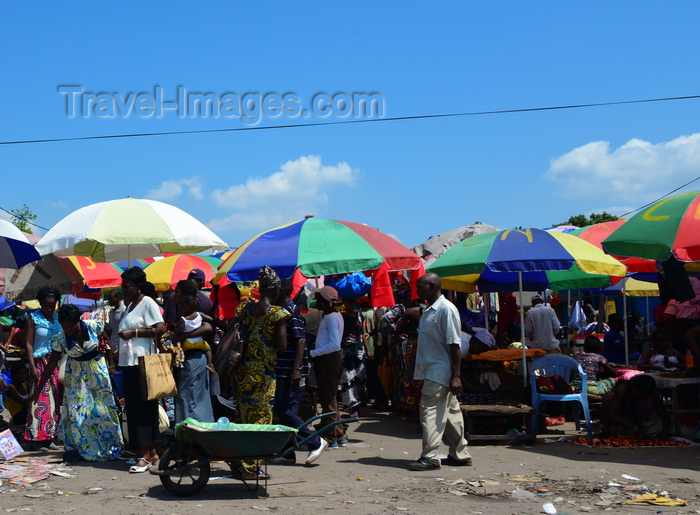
(638, 171)
(251, 221)
(168, 190)
(60, 204)
(298, 189)
(304, 179)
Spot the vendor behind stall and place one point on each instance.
(634, 408)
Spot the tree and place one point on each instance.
(583, 220)
(22, 218)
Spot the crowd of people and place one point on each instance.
(340, 354)
(270, 357)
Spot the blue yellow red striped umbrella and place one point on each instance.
(318, 246)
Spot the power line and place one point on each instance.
(22, 218)
(661, 197)
(347, 122)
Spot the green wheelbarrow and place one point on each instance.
(185, 466)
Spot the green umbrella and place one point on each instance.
(668, 227)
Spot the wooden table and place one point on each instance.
(673, 383)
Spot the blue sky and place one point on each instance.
(411, 179)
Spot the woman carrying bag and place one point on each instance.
(140, 325)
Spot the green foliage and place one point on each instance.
(583, 220)
(22, 218)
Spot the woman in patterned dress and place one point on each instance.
(91, 425)
(264, 333)
(44, 411)
(407, 330)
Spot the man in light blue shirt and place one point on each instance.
(438, 361)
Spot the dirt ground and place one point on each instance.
(371, 476)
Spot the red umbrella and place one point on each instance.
(97, 275)
(595, 234)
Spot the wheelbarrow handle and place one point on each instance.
(320, 431)
(312, 419)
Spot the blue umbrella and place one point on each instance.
(15, 249)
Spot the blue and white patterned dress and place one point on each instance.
(91, 423)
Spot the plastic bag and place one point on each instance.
(352, 286)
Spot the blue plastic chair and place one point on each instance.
(564, 366)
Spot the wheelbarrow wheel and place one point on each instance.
(184, 477)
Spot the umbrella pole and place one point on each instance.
(522, 328)
(624, 314)
(646, 326)
(487, 309)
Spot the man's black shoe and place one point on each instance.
(423, 464)
(454, 462)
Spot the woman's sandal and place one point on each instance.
(135, 469)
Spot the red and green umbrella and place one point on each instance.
(165, 273)
(596, 233)
(318, 246)
(668, 227)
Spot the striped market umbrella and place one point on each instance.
(127, 229)
(501, 261)
(670, 227)
(165, 273)
(318, 246)
(526, 259)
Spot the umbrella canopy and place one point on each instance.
(223, 256)
(596, 233)
(632, 288)
(525, 259)
(97, 275)
(563, 228)
(318, 246)
(128, 229)
(53, 271)
(141, 263)
(166, 272)
(15, 250)
(436, 246)
(668, 227)
(499, 261)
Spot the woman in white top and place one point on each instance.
(140, 325)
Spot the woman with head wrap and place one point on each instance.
(264, 331)
(91, 429)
